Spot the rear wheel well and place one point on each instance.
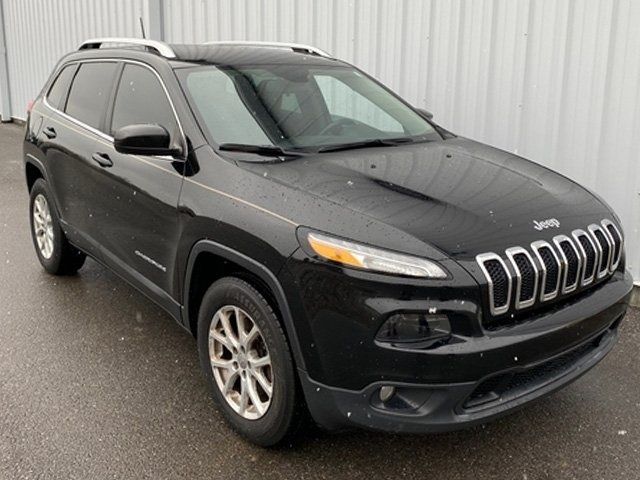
(208, 268)
(33, 173)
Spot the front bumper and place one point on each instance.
(444, 407)
(481, 378)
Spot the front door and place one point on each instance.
(137, 225)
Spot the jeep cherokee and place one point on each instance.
(333, 250)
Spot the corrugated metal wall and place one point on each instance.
(557, 81)
(39, 32)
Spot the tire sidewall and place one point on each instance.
(274, 424)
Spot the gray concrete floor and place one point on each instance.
(97, 382)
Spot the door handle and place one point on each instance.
(102, 159)
(50, 132)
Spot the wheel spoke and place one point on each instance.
(220, 363)
(251, 336)
(257, 362)
(262, 381)
(215, 335)
(228, 384)
(242, 321)
(255, 398)
(244, 397)
(228, 331)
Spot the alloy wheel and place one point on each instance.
(43, 226)
(240, 362)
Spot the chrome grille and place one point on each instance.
(547, 270)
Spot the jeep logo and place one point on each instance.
(548, 223)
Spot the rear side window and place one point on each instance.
(90, 91)
(60, 86)
(141, 99)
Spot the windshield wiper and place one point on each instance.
(266, 150)
(378, 142)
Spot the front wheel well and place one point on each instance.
(209, 267)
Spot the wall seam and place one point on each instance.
(5, 90)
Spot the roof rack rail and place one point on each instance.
(292, 46)
(160, 47)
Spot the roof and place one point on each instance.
(218, 53)
(246, 55)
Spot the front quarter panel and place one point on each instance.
(220, 202)
(257, 217)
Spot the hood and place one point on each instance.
(460, 196)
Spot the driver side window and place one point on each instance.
(343, 101)
(141, 99)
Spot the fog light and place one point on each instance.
(414, 327)
(386, 393)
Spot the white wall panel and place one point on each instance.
(557, 81)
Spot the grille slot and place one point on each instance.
(551, 269)
(589, 256)
(572, 264)
(499, 282)
(526, 276)
(604, 247)
(616, 239)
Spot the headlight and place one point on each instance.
(368, 258)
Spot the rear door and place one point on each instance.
(70, 134)
(136, 200)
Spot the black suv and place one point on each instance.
(333, 250)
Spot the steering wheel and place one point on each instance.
(341, 122)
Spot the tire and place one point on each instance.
(280, 419)
(57, 256)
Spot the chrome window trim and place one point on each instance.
(481, 259)
(536, 246)
(614, 262)
(558, 240)
(511, 253)
(592, 229)
(54, 77)
(576, 234)
(106, 136)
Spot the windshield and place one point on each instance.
(298, 107)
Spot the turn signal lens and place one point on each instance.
(361, 256)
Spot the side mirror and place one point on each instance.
(425, 113)
(144, 139)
